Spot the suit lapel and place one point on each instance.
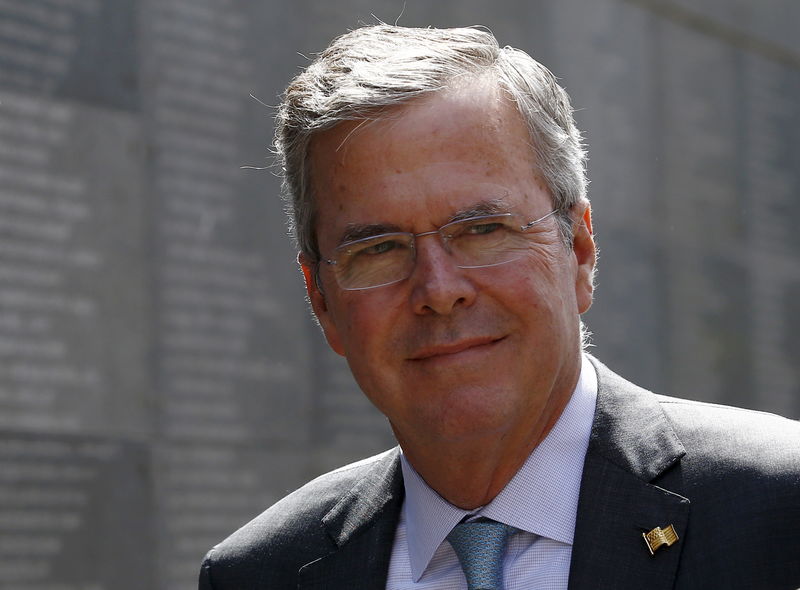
(631, 484)
(362, 527)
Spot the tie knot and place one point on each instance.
(479, 546)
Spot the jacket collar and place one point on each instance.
(362, 527)
(632, 449)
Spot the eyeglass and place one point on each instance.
(475, 242)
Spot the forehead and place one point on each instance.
(480, 112)
(423, 161)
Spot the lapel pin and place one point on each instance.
(659, 537)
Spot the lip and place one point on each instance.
(453, 348)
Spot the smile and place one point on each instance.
(446, 350)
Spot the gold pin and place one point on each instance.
(659, 537)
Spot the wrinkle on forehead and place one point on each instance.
(481, 92)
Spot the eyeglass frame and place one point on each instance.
(331, 262)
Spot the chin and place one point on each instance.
(472, 419)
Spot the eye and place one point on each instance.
(479, 229)
(483, 226)
(376, 247)
(379, 247)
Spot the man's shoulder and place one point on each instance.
(647, 432)
(741, 474)
(303, 509)
(706, 431)
(734, 437)
(724, 415)
(292, 531)
(726, 477)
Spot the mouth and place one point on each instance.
(454, 348)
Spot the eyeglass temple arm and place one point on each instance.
(535, 221)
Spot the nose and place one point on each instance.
(438, 285)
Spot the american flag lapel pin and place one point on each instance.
(659, 537)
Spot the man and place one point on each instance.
(439, 201)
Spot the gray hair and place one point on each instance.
(371, 69)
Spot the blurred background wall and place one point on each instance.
(161, 381)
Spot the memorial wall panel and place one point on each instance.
(229, 370)
(705, 209)
(772, 165)
(74, 513)
(615, 96)
(696, 131)
(73, 274)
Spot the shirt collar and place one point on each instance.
(541, 498)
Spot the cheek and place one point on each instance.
(361, 323)
(541, 291)
(540, 275)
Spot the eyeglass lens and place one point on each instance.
(389, 258)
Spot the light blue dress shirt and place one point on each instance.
(541, 500)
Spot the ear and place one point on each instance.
(318, 303)
(585, 252)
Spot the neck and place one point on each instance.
(466, 481)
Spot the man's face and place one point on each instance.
(451, 353)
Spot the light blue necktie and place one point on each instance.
(479, 546)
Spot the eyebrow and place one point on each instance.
(490, 207)
(360, 231)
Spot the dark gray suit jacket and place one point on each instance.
(728, 480)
